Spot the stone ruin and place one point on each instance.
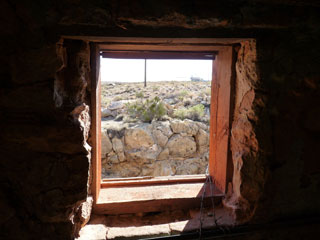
(160, 148)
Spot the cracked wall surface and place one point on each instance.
(248, 170)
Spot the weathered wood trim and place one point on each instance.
(220, 105)
(154, 180)
(196, 176)
(139, 40)
(158, 54)
(96, 120)
(213, 120)
(220, 117)
(160, 47)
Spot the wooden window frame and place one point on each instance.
(220, 165)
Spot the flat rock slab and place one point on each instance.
(138, 232)
(139, 226)
(93, 232)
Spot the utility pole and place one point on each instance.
(145, 72)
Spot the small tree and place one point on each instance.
(147, 110)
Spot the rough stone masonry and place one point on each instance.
(160, 148)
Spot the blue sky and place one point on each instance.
(132, 70)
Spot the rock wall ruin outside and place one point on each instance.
(160, 148)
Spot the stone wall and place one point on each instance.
(44, 149)
(162, 148)
(247, 154)
(44, 156)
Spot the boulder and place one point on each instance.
(106, 113)
(188, 168)
(164, 168)
(136, 138)
(164, 127)
(160, 137)
(143, 155)
(147, 170)
(106, 145)
(164, 155)
(116, 105)
(203, 126)
(202, 138)
(126, 169)
(112, 157)
(117, 145)
(186, 127)
(181, 146)
(121, 157)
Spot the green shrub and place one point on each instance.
(183, 94)
(139, 95)
(147, 110)
(194, 113)
(181, 113)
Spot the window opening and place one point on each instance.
(104, 190)
(155, 114)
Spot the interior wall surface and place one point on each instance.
(45, 103)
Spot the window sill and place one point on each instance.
(148, 180)
(154, 197)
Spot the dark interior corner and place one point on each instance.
(46, 97)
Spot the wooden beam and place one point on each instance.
(96, 121)
(144, 181)
(159, 47)
(213, 120)
(167, 41)
(159, 55)
(191, 176)
(220, 117)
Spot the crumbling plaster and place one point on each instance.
(248, 169)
